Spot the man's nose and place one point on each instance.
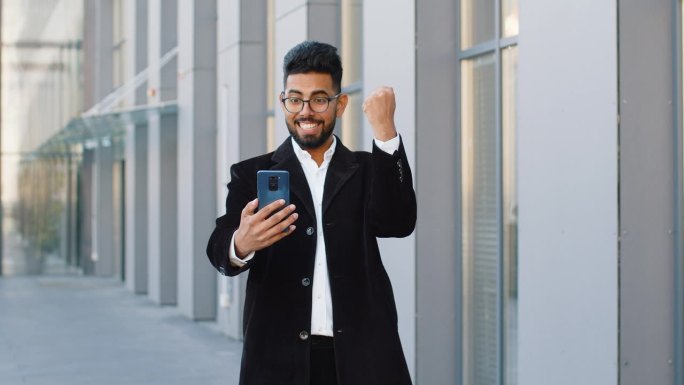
(306, 109)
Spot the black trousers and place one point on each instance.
(323, 370)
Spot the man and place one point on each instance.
(319, 307)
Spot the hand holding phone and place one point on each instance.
(261, 229)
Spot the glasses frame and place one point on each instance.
(329, 98)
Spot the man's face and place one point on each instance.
(312, 129)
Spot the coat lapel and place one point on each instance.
(284, 158)
(342, 166)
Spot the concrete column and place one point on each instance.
(161, 157)
(103, 73)
(136, 209)
(136, 153)
(102, 209)
(196, 156)
(568, 193)
(85, 247)
(242, 79)
(438, 323)
(296, 21)
(103, 213)
(389, 59)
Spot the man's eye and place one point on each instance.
(320, 101)
(294, 100)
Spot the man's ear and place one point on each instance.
(342, 101)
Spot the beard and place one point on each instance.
(311, 141)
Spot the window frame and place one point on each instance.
(495, 47)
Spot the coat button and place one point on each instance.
(309, 230)
(303, 335)
(306, 282)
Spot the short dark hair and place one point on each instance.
(313, 56)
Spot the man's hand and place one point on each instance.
(258, 231)
(379, 108)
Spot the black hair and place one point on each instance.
(313, 56)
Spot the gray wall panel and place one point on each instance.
(646, 193)
(437, 231)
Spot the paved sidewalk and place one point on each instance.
(84, 330)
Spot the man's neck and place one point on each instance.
(318, 153)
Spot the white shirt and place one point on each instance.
(321, 301)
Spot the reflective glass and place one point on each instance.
(509, 18)
(509, 87)
(477, 22)
(480, 227)
(41, 91)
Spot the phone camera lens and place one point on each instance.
(272, 183)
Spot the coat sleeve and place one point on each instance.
(392, 203)
(239, 194)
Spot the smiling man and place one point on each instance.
(319, 306)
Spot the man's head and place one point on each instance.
(311, 99)
(312, 56)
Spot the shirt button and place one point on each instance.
(309, 230)
(303, 335)
(306, 282)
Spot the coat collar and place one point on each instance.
(342, 166)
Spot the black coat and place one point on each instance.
(365, 196)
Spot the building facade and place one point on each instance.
(545, 140)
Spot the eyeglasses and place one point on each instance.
(317, 104)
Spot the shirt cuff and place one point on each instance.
(234, 260)
(389, 146)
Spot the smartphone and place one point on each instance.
(273, 185)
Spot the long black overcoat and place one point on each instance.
(365, 196)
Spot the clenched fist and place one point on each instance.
(379, 108)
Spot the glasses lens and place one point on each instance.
(319, 104)
(293, 104)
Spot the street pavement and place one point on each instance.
(77, 330)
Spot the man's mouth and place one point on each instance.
(307, 125)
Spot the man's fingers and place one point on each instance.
(250, 207)
(270, 208)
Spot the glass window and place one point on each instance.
(479, 220)
(488, 192)
(477, 22)
(509, 87)
(509, 19)
(119, 42)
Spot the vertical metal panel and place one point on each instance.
(679, 193)
(646, 192)
(567, 190)
(438, 266)
(679, 197)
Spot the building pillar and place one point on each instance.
(196, 156)
(438, 273)
(395, 67)
(103, 213)
(136, 153)
(102, 209)
(162, 179)
(567, 146)
(241, 133)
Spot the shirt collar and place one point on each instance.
(303, 155)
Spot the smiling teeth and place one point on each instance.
(307, 126)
